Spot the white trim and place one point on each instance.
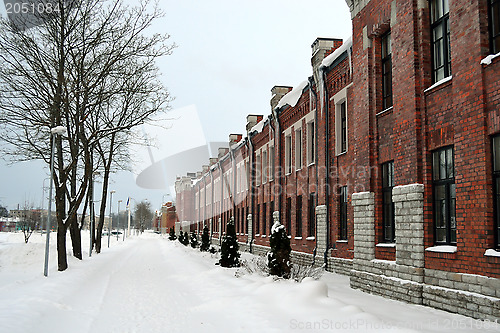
(384, 111)
(440, 82)
(341, 241)
(442, 249)
(386, 245)
(492, 253)
(311, 238)
(298, 238)
(487, 61)
(338, 99)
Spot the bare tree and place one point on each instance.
(90, 68)
(30, 221)
(143, 216)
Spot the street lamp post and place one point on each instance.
(58, 130)
(128, 207)
(43, 195)
(110, 218)
(118, 224)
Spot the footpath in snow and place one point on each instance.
(151, 284)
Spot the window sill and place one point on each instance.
(386, 245)
(342, 153)
(311, 238)
(257, 235)
(492, 253)
(389, 109)
(263, 236)
(298, 238)
(442, 249)
(311, 164)
(439, 83)
(487, 61)
(341, 241)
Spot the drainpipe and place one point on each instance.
(327, 163)
(277, 152)
(221, 175)
(233, 193)
(252, 188)
(271, 125)
(212, 201)
(311, 84)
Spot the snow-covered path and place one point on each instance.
(149, 284)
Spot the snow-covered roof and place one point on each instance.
(260, 125)
(293, 96)
(337, 53)
(238, 144)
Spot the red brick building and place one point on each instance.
(384, 164)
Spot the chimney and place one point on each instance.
(205, 168)
(234, 138)
(277, 93)
(321, 48)
(213, 160)
(252, 120)
(222, 152)
(191, 175)
(198, 174)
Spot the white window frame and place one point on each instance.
(298, 149)
(272, 156)
(338, 99)
(288, 154)
(258, 163)
(264, 166)
(311, 142)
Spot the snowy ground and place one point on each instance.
(150, 284)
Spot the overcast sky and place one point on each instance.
(229, 55)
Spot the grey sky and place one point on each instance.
(229, 55)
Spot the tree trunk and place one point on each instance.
(76, 238)
(62, 262)
(102, 210)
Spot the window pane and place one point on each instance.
(449, 163)
(496, 153)
(435, 165)
(442, 164)
(440, 212)
(391, 169)
(495, 26)
(453, 225)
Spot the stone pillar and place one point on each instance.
(250, 229)
(364, 226)
(409, 217)
(220, 228)
(321, 230)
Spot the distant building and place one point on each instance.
(166, 218)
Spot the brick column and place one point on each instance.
(364, 226)
(409, 216)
